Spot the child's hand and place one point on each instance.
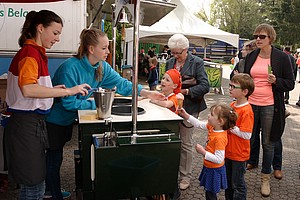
(153, 101)
(200, 149)
(182, 113)
(235, 130)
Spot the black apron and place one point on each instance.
(26, 140)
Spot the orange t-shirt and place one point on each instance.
(263, 94)
(216, 141)
(238, 148)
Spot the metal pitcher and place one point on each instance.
(104, 99)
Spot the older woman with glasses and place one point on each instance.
(272, 73)
(190, 67)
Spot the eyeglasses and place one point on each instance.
(177, 53)
(260, 36)
(234, 87)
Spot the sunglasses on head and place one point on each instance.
(260, 36)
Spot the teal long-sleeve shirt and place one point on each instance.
(78, 71)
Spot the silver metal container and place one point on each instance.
(104, 99)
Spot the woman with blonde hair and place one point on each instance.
(89, 66)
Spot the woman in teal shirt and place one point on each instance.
(88, 66)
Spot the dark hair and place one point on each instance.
(33, 18)
(226, 113)
(88, 37)
(245, 81)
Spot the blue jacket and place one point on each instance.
(74, 72)
(153, 77)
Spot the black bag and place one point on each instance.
(188, 81)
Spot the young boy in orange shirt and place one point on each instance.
(237, 151)
(171, 86)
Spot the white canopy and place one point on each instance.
(181, 20)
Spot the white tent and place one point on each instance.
(180, 20)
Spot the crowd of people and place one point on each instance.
(43, 110)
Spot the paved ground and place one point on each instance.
(287, 188)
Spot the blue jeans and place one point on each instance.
(32, 192)
(235, 171)
(263, 118)
(277, 161)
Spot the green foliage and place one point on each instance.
(286, 22)
(236, 16)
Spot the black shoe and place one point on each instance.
(298, 103)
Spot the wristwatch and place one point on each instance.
(187, 91)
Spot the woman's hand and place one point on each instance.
(79, 89)
(272, 79)
(39, 91)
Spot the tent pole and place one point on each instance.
(114, 36)
(135, 69)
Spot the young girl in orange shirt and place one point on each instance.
(221, 118)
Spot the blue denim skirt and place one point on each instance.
(213, 179)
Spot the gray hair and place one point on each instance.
(178, 41)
